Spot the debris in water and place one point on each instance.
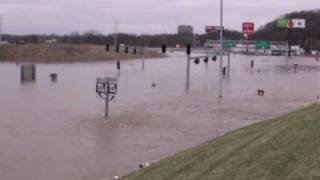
(54, 76)
(141, 166)
(261, 92)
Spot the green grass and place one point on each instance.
(287, 147)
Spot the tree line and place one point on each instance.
(95, 37)
(308, 38)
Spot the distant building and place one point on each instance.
(185, 29)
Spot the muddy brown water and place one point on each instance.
(57, 130)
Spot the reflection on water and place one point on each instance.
(57, 130)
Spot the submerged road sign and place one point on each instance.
(106, 88)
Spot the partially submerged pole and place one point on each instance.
(221, 48)
(229, 64)
(289, 42)
(143, 58)
(188, 66)
(107, 101)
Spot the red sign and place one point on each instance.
(248, 27)
(290, 24)
(212, 29)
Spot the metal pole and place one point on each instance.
(107, 101)
(290, 42)
(229, 64)
(116, 34)
(116, 43)
(143, 58)
(188, 72)
(0, 28)
(221, 48)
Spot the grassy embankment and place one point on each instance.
(287, 147)
(46, 53)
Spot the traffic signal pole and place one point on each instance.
(221, 49)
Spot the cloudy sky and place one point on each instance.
(138, 16)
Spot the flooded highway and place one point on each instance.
(57, 130)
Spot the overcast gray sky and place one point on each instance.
(138, 16)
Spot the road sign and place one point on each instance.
(248, 28)
(229, 44)
(212, 29)
(263, 45)
(299, 23)
(106, 88)
(283, 23)
(291, 23)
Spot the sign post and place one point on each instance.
(106, 88)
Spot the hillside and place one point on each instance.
(52, 53)
(283, 148)
(307, 38)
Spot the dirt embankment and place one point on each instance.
(52, 53)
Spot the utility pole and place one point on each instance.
(143, 58)
(115, 34)
(0, 28)
(116, 45)
(221, 49)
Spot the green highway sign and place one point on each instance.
(283, 23)
(229, 44)
(263, 45)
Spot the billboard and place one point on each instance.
(283, 23)
(248, 27)
(212, 29)
(298, 23)
(291, 23)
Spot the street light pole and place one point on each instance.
(221, 49)
(115, 34)
(0, 28)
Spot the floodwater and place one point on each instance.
(57, 130)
